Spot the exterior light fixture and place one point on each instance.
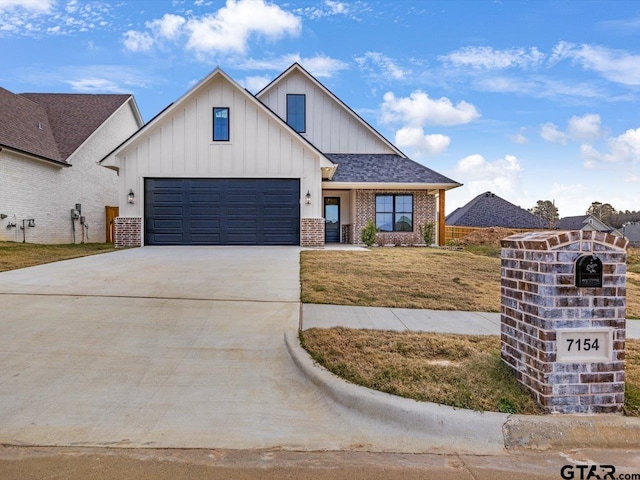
(307, 198)
(131, 197)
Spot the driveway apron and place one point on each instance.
(168, 347)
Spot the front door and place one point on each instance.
(332, 219)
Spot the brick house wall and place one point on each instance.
(424, 209)
(36, 189)
(312, 232)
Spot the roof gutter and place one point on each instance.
(389, 185)
(36, 156)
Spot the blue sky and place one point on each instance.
(529, 99)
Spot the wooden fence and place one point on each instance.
(452, 232)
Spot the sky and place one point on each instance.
(530, 99)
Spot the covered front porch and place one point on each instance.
(401, 214)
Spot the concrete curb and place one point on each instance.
(572, 431)
(473, 431)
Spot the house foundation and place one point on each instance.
(128, 232)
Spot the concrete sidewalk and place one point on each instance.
(406, 319)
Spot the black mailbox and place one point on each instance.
(588, 271)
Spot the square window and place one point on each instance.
(221, 124)
(296, 112)
(394, 213)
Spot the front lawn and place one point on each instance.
(20, 255)
(402, 277)
(458, 370)
(405, 277)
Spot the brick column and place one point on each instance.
(312, 232)
(128, 232)
(544, 314)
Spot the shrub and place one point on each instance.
(369, 233)
(427, 230)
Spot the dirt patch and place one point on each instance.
(486, 237)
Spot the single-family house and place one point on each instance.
(50, 148)
(291, 165)
(587, 223)
(631, 232)
(489, 210)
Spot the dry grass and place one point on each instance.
(457, 370)
(419, 278)
(20, 255)
(402, 277)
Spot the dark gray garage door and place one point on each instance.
(205, 211)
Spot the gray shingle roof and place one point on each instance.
(571, 223)
(52, 125)
(489, 210)
(382, 168)
(632, 232)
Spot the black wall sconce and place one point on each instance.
(131, 197)
(307, 198)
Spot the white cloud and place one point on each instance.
(255, 83)
(419, 109)
(416, 139)
(43, 6)
(502, 177)
(319, 66)
(137, 41)
(585, 127)
(226, 31)
(624, 148)
(328, 9)
(550, 132)
(615, 65)
(539, 87)
(169, 26)
(229, 29)
(490, 59)
(519, 137)
(95, 85)
(383, 65)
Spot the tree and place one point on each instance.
(546, 210)
(602, 211)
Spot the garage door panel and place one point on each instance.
(222, 211)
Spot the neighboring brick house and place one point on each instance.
(292, 165)
(489, 210)
(50, 145)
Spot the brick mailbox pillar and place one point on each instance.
(563, 318)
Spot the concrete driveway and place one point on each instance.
(177, 347)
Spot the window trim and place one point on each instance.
(213, 125)
(394, 212)
(304, 116)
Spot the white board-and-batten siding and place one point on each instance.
(330, 126)
(181, 145)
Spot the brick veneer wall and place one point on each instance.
(424, 209)
(539, 297)
(312, 232)
(128, 232)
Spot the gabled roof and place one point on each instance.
(572, 223)
(383, 168)
(581, 221)
(632, 232)
(24, 126)
(296, 67)
(489, 210)
(325, 162)
(52, 126)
